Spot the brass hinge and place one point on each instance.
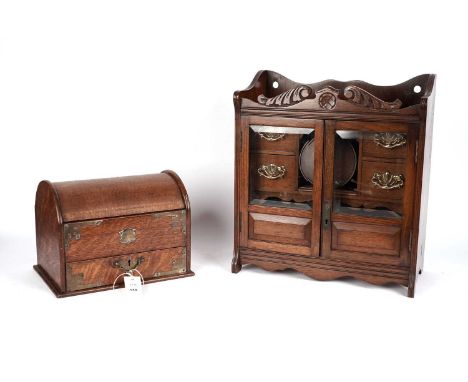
(416, 151)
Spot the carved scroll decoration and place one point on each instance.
(388, 181)
(362, 97)
(287, 98)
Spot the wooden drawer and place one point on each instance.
(375, 239)
(103, 271)
(383, 180)
(276, 173)
(280, 229)
(279, 143)
(118, 236)
(385, 145)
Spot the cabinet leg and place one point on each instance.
(411, 285)
(236, 265)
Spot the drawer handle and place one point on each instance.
(271, 171)
(127, 265)
(387, 180)
(127, 235)
(272, 136)
(389, 140)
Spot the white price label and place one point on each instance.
(132, 284)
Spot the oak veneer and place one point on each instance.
(373, 227)
(88, 232)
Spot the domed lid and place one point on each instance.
(112, 197)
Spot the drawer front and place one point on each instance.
(103, 271)
(385, 145)
(279, 143)
(366, 238)
(383, 180)
(276, 173)
(280, 229)
(117, 236)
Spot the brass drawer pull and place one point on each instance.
(271, 171)
(127, 235)
(387, 180)
(272, 136)
(389, 140)
(127, 265)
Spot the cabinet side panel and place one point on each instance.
(49, 234)
(425, 155)
(236, 262)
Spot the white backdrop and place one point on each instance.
(96, 88)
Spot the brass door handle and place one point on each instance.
(127, 265)
(388, 181)
(271, 136)
(389, 140)
(271, 171)
(127, 235)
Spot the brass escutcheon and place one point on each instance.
(127, 235)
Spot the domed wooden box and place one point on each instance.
(88, 232)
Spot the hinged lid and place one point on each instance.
(112, 197)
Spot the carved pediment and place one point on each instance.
(327, 97)
(362, 97)
(287, 98)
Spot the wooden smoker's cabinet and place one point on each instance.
(331, 178)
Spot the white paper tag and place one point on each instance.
(132, 284)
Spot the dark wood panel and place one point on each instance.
(102, 238)
(281, 229)
(281, 211)
(286, 145)
(288, 182)
(101, 272)
(371, 149)
(377, 126)
(49, 234)
(375, 239)
(368, 189)
(325, 269)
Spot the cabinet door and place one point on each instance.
(368, 191)
(280, 197)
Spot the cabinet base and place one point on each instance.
(58, 293)
(325, 269)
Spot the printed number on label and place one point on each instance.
(132, 283)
